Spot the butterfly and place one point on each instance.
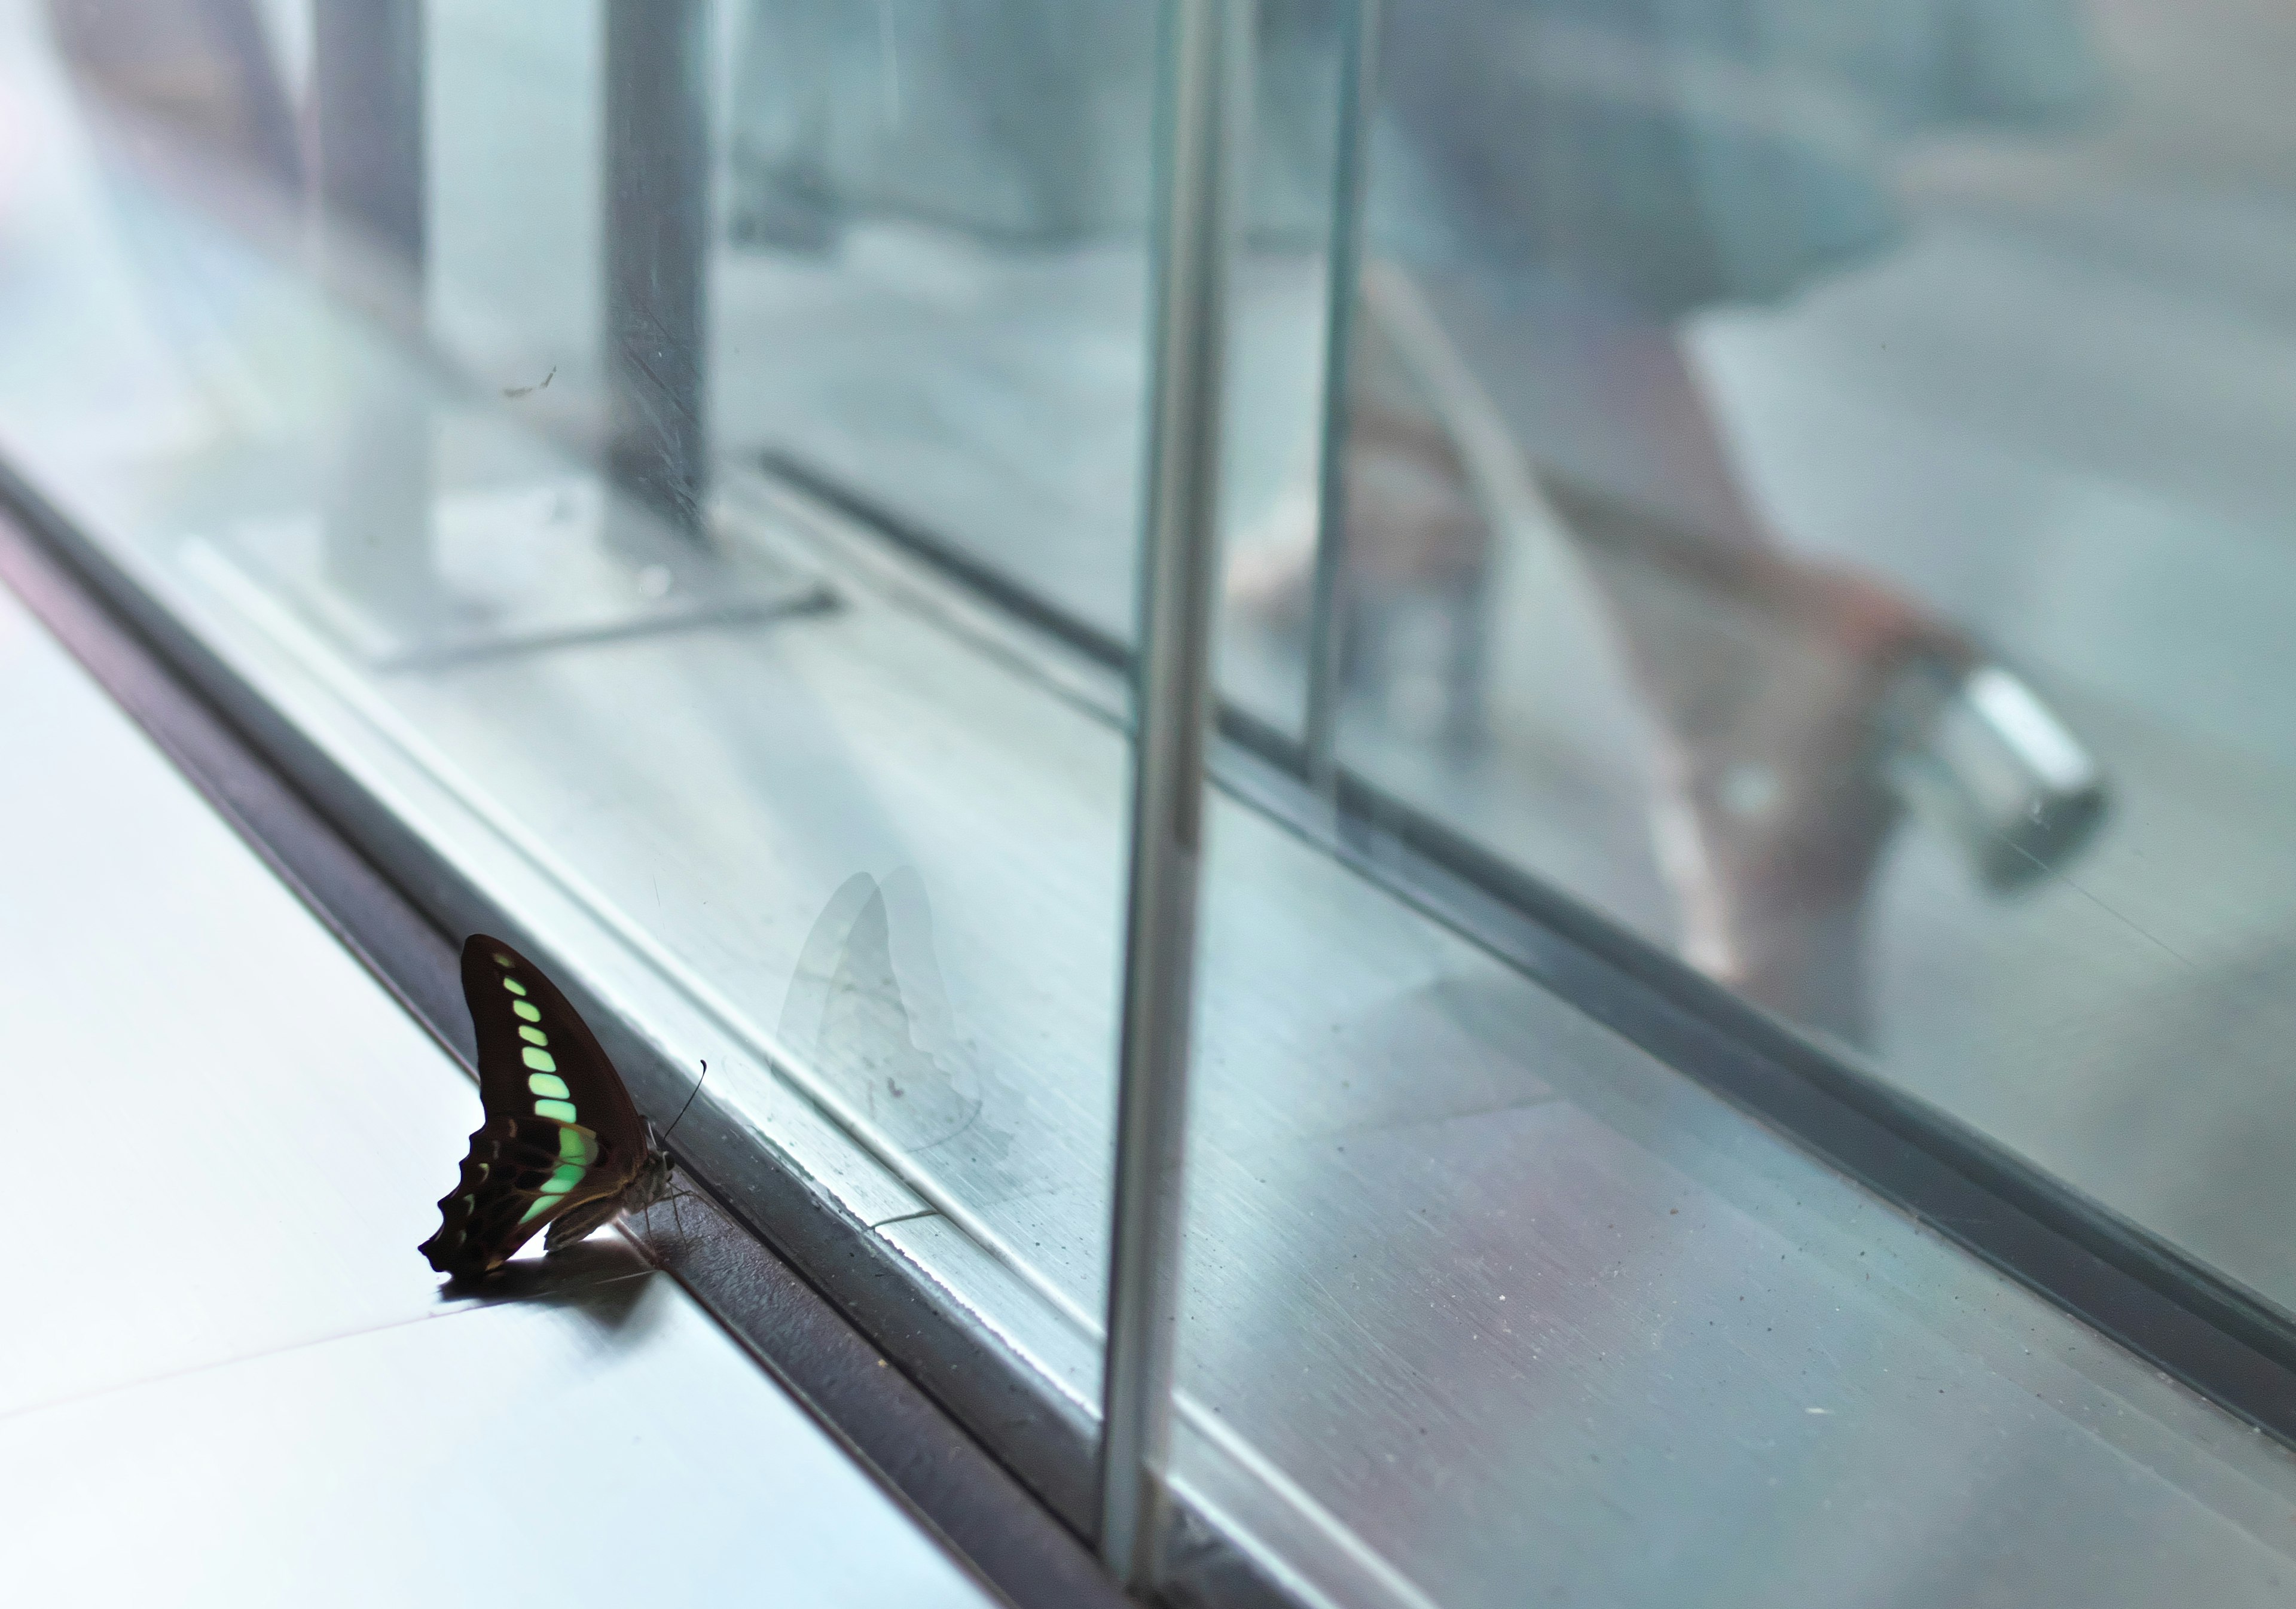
(562, 1146)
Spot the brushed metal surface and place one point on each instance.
(1603, 1349)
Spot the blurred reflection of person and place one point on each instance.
(1555, 187)
(196, 73)
(1568, 180)
(184, 97)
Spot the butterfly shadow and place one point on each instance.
(604, 1278)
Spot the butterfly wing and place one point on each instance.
(562, 1135)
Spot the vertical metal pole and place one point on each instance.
(1325, 634)
(367, 125)
(268, 135)
(1205, 50)
(657, 219)
(368, 182)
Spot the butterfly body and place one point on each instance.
(563, 1149)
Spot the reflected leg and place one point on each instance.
(1798, 706)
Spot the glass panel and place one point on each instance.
(514, 98)
(438, 426)
(1814, 494)
(936, 214)
(1486, 1307)
(941, 183)
(1277, 332)
(1724, 384)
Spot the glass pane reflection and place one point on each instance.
(1812, 493)
(1810, 496)
(775, 812)
(937, 278)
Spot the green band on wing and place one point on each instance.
(563, 1110)
(526, 1010)
(577, 1145)
(565, 1177)
(549, 1084)
(540, 1061)
(514, 986)
(542, 1204)
(532, 1036)
(503, 960)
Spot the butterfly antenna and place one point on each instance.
(661, 1141)
(682, 1111)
